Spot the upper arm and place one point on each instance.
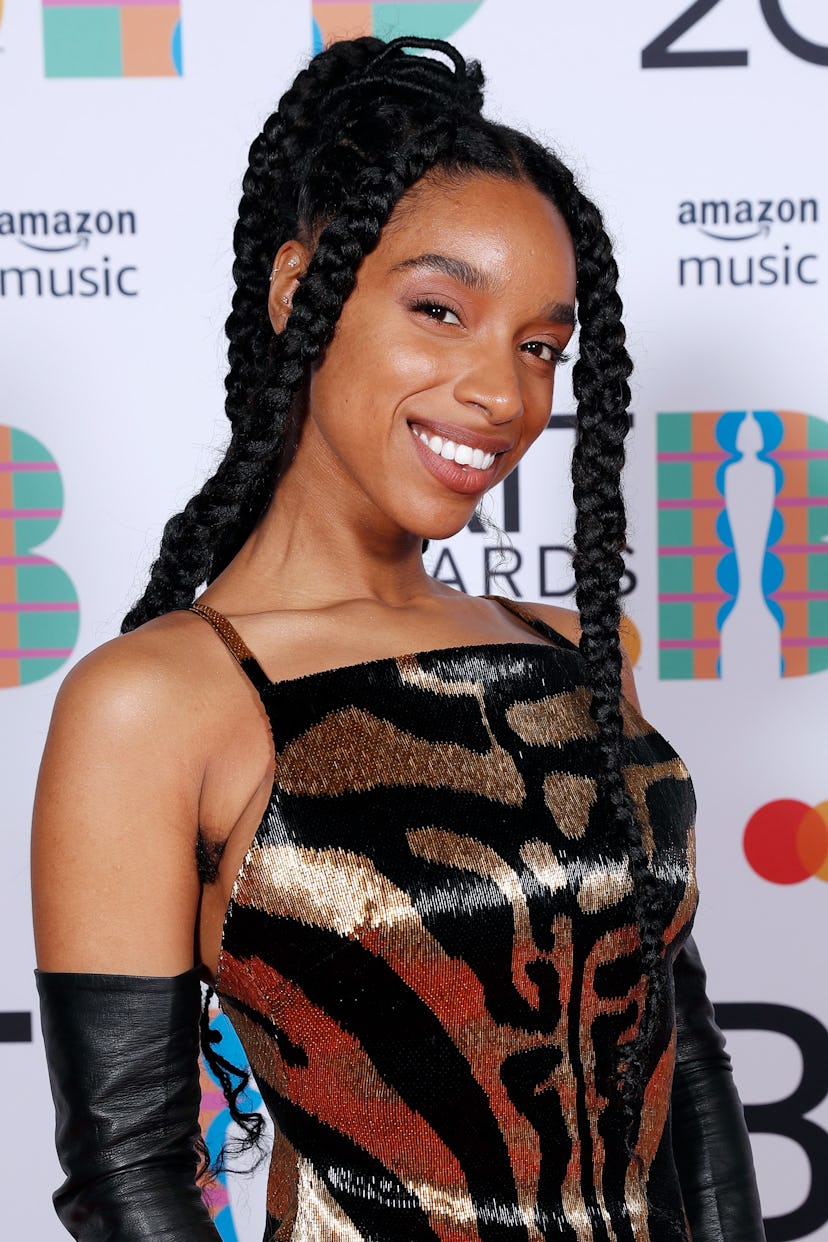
(114, 878)
(566, 622)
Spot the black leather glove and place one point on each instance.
(710, 1138)
(123, 1065)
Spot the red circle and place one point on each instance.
(771, 841)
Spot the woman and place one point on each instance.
(451, 929)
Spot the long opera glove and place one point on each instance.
(122, 1052)
(710, 1138)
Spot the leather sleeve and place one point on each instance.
(123, 1066)
(710, 1138)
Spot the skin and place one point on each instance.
(156, 734)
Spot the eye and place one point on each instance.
(546, 351)
(436, 311)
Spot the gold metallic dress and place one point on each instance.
(430, 953)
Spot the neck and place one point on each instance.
(311, 551)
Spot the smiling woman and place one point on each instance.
(437, 866)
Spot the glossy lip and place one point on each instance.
(463, 435)
(463, 479)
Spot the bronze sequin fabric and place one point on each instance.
(430, 953)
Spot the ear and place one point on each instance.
(289, 265)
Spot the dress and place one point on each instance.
(427, 954)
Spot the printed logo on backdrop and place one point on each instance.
(67, 254)
(98, 39)
(661, 52)
(503, 557)
(39, 617)
(757, 243)
(743, 544)
(437, 19)
(786, 841)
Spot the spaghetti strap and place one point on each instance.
(534, 622)
(235, 644)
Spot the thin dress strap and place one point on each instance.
(534, 622)
(235, 644)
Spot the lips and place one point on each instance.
(466, 479)
(463, 435)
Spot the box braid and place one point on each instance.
(359, 127)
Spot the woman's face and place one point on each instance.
(441, 370)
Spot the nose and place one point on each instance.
(490, 382)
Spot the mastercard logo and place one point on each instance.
(786, 841)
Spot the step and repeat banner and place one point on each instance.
(699, 130)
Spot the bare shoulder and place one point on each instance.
(137, 683)
(567, 622)
(116, 807)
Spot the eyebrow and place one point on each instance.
(474, 278)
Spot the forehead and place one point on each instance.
(506, 226)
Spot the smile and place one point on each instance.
(449, 450)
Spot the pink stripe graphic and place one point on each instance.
(693, 502)
(677, 549)
(799, 595)
(30, 513)
(24, 560)
(804, 642)
(40, 606)
(8, 466)
(798, 549)
(692, 597)
(683, 644)
(706, 455)
(798, 502)
(798, 454)
(35, 653)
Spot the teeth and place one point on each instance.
(462, 454)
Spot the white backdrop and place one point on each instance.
(714, 183)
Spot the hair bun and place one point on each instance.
(393, 75)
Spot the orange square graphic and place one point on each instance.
(796, 573)
(8, 585)
(704, 432)
(146, 40)
(704, 616)
(795, 529)
(9, 637)
(796, 430)
(795, 481)
(7, 547)
(704, 574)
(704, 527)
(342, 21)
(704, 481)
(6, 497)
(796, 661)
(704, 663)
(795, 612)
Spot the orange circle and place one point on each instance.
(630, 639)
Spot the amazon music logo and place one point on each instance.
(756, 242)
(66, 254)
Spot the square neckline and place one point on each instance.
(255, 672)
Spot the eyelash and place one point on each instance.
(426, 307)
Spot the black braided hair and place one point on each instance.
(357, 130)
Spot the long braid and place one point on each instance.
(602, 392)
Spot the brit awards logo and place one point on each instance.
(388, 19)
(128, 39)
(743, 543)
(39, 617)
